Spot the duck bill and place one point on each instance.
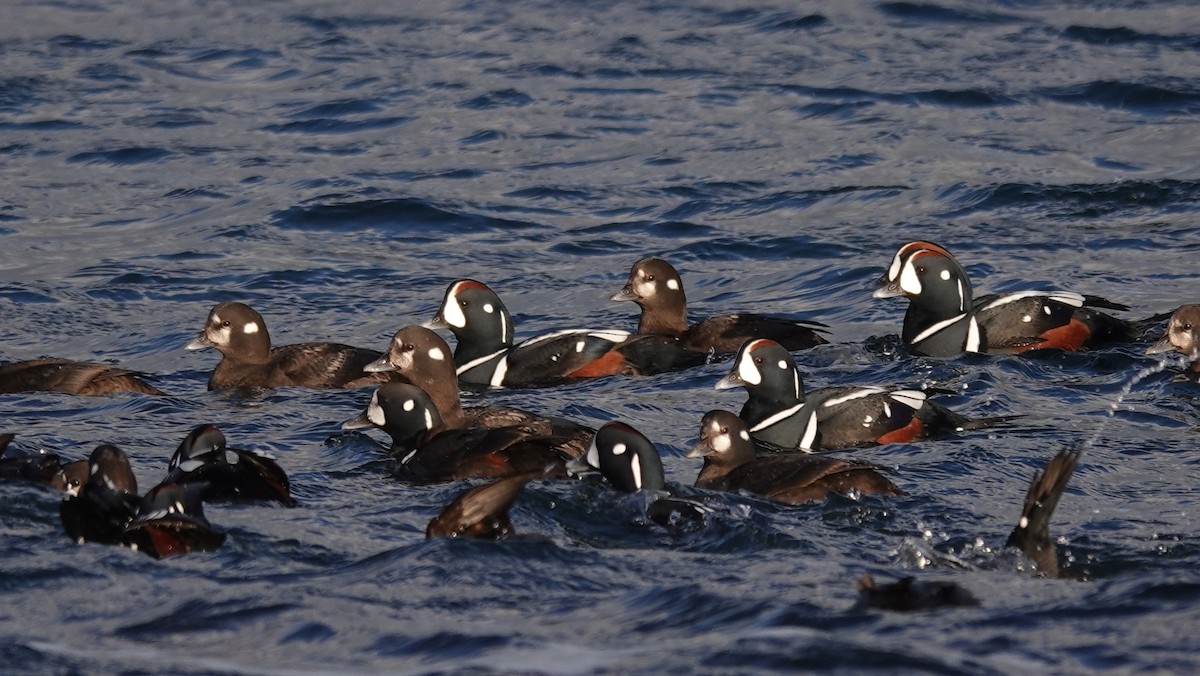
(1161, 346)
(381, 365)
(438, 322)
(625, 294)
(730, 381)
(360, 422)
(580, 466)
(702, 449)
(887, 289)
(199, 343)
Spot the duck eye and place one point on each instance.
(724, 430)
(463, 303)
(649, 278)
(225, 323)
(409, 346)
(758, 360)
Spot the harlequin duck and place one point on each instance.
(944, 319)
(1183, 336)
(657, 288)
(486, 355)
(248, 360)
(423, 358)
(107, 501)
(781, 414)
(630, 463)
(72, 377)
(40, 468)
(228, 474)
(170, 521)
(480, 512)
(731, 463)
(1032, 534)
(430, 452)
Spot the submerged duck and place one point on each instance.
(657, 288)
(731, 463)
(481, 512)
(229, 474)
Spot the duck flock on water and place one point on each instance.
(774, 447)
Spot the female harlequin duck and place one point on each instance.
(731, 463)
(428, 451)
(486, 355)
(43, 468)
(630, 463)
(248, 360)
(944, 319)
(480, 512)
(423, 358)
(657, 288)
(780, 413)
(1183, 336)
(167, 522)
(72, 377)
(229, 474)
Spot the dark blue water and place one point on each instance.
(337, 164)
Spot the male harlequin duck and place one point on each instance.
(170, 521)
(106, 502)
(731, 463)
(429, 452)
(1183, 336)
(780, 413)
(423, 358)
(480, 512)
(248, 360)
(630, 463)
(486, 355)
(657, 288)
(73, 377)
(1032, 534)
(229, 474)
(944, 319)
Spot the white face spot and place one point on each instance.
(1027, 319)
(452, 313)
(93, 469)
(488, 308)
(375, 412)
(580, 345)
(111, 486)
(231, 458)
(945, 275)
(410, 404)
(744, 435)
(894, 268)
(719, 440)
(250, 327)
(748, 371)
(1024, 522)
(867, 420)
(672, 285)
(177, 507)
(436, 354)
(619, 449)
(909, 282)
(593, 455)
(636, 468)
(428, 419)
(783, 363)
(887, 410)
(1046, 309)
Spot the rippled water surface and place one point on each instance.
(337, 164)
